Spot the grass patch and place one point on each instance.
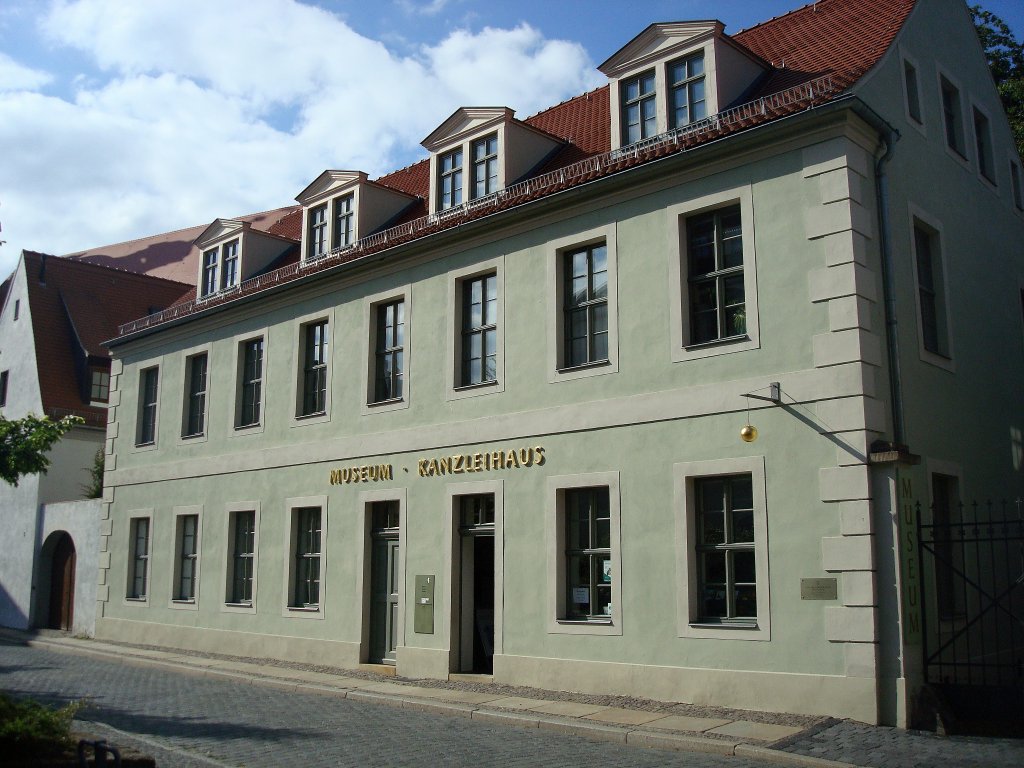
(29, 728)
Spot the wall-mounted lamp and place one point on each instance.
(749, 432)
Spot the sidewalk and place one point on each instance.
(776, 738)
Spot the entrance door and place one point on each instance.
(384, 582)
(62, 585)
(476, 604)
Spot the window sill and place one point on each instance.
(730, 625)
(313, 415)
(478, 385)
(244, 427)
(716, 342)
(184, 601)
(238, 605)
(193, 437)
(584, 366)
(142, 599)
(389, 401)
(150, 444)
(304, 609)
(585, 622)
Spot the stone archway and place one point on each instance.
(60, 607)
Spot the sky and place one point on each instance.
(126, 118)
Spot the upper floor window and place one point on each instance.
(1017, 188)
(716, 284)
(3, 387)
(229, 271)
(952, 116)
(689, 102)
(639, 108)
(485, 166)
(195, 396)
(931, 293)
(317, 232)
(586, 305)
(479, 329)
(314, 369)
(99, 385)
(912, 92)
(251, 382)
(148, 386)
(390, 362)
(210, 272)
(983, 143)
(450, 179)
(344, 222)
(222, 260)
(17, 308)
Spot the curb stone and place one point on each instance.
(588, 730)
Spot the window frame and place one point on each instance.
(389, 351)
(4, 381)
(555, 537)
(181, 514)
(956, 145)
(456, 156)
(298, 418)
(673, 87)
(144, 406)
(293, 509)
(984, 149)
(678, 268)
(343, 221)
(94, 370)
(688, 604)
(908, 111)
(1016, 183)
(211, 266)
(488, 161)
(919, 219)
(641, 99)
(371, 304)
(556, 290)
(317, 232)
(131, 595)
(230, 253)
(238, 342)
(457, 280)
(230, 529)
(189, 397)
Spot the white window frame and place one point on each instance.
(684, 477)
(905, 59)
(554, 535)
(133, 517)
(555, 288)
(368, 405)
(916, 216)
(179, 513)
(298, 360)
(292, 507)
(158, 366)
(457, 279)
(238, 342)
(230, 518)
(189, 356)
(219, 250)
(678, 269)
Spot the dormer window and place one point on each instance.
(229, 272)
(222, 259)
(233, 252)
(210, 272)
(317, 232)
(485, 166)
(639, 108)
(451, 179)
(344, 222)
(689, 102)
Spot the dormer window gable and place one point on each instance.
(674, 74)
(479, 151)
(231, 251)
(340, 207)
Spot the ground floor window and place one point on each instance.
(588, 558)
(138, 558)
(187, 536)
(242, 561)
(306, 593)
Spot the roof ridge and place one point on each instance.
(66, 260)
(813, 3)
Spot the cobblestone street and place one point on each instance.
(187, 721)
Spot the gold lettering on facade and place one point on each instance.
(459, 463)
(367, 473)
(444, 465)
(512, 458)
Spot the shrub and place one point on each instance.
(27, 726)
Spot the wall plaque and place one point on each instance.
(819, 589)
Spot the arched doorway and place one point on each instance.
(62, 584)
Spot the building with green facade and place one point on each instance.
(483, 414)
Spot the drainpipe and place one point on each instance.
(889, 140)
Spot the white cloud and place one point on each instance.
(185, 126)
(16, 77)
(428, 8)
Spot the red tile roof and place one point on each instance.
(817, 52)
(75, 306)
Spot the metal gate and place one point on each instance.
(972, 557)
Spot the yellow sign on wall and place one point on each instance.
(513, 458)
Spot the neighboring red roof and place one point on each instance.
(817, 51)
(75, 306)
(170, 255)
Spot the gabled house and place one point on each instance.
(671, 389)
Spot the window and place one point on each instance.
(317, 232)
(586, 305)
(17, 308)
(485, 166)
(195, 396)
(952, 116)
(722, 551)
(639, 108)
(138, 558)
(251, 382)
(689, 103)
(314, 369)
(451, 179)
(99, 385)
(390, 351)
(716, 283)
(725, 549)
(188, 557)
(983, 143)
(582, 536)
(148, 384)
(1015, 183)
(912, 92)
(588, 562)
(242, 559)
(306, 593)
(3, 387)
(209, 272)
(344, 222)
(229, 271)
(930, 291)
(479, 329)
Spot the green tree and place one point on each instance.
(94, 488)
(24, 443)
(1005, 54)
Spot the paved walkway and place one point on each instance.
(818, 743)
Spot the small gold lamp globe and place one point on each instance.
(749, 433)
